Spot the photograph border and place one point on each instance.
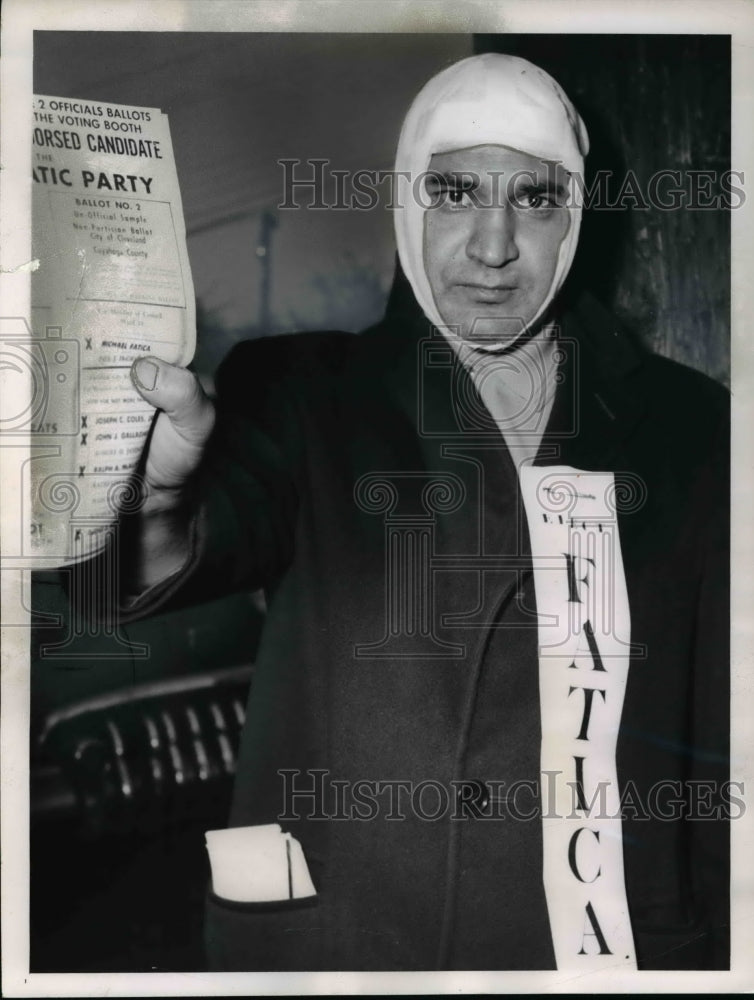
(20, 19)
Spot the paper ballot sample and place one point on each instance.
(113, 283)
(258, 864)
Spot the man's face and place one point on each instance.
(491, 238)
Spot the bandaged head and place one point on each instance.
(486, 100)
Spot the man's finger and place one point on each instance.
(177, 392)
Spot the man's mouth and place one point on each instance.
(489, 293)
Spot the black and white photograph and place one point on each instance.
(376, 532)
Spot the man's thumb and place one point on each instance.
(174, 390)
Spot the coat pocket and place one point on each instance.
(284, 936)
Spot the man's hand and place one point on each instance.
(159, 544)
(181, 430)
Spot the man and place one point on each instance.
(493, 676)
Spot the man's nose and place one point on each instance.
(493, 238)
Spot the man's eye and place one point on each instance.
(452, 197)
(535, 200)
(457, 198)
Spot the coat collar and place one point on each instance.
(597, 403)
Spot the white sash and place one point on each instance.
(584, 633)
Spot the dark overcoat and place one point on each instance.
(394, 704)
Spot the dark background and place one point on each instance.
(651, 103)
(112, 895)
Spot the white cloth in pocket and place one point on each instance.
(258, 864)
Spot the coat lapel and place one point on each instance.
(595, 407)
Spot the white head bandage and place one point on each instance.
(489, 99)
